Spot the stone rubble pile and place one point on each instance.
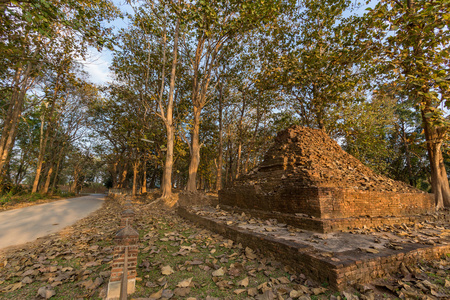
(308, 157)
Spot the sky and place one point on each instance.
(97, 63)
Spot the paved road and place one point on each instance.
(23, 225)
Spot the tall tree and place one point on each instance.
(214, 24)
(415, 38)
(310, 60)
(33, 32)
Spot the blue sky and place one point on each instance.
(97, 63)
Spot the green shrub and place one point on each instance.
(66, 194)
(5, 198)
(35, 196)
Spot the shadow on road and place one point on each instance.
(23, 225)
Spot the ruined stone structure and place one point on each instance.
(308, 181)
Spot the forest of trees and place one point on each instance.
(200, 88)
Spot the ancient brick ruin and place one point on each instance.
(308, 181)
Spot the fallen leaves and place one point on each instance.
(71, 258)
(27, 280)
(182, 292)
(239, 291)
(218, 272)
(244, 282)
(252, 291)
(295, 294)
(185, 283)
(46, 292)
(157, 295)
(167, 270)
(167, 294)
(193, 263)
(13, 287)
(283, 280)
(250, 254)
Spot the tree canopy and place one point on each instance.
(200, 88)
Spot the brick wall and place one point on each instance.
(326, 203)
(272, 198)
(345, 203)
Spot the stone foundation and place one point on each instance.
(339, 269)
(329, 204)
(328, 225)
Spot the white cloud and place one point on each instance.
(97, 65)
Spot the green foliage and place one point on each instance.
(19, 197)
(368, 81)
(367, 128)
(312, 63)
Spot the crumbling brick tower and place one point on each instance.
(308, 181)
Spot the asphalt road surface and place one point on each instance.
(26, 224)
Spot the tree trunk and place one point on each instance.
(75, 181)
(7, 174)
(445, 184)
(195, 151)
(40, 157)
(43, 142)
(238, 162)
(239, 136)
(135, 173)
(23, 166)
(55, 178)
(10, 122)
(220, 154)
(168, 166)
(144, 177)
(153, 178)
(229, 169)
(255, 133)
(9, 114)
(51, 166)
(20, 170)
(123, 177)
(21, 83)
(114, 175)
(122, 173)
(47, 181)
(200, 84)
(407, 155)
(439, 180)
(10, 133)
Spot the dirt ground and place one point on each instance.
(178, 260)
